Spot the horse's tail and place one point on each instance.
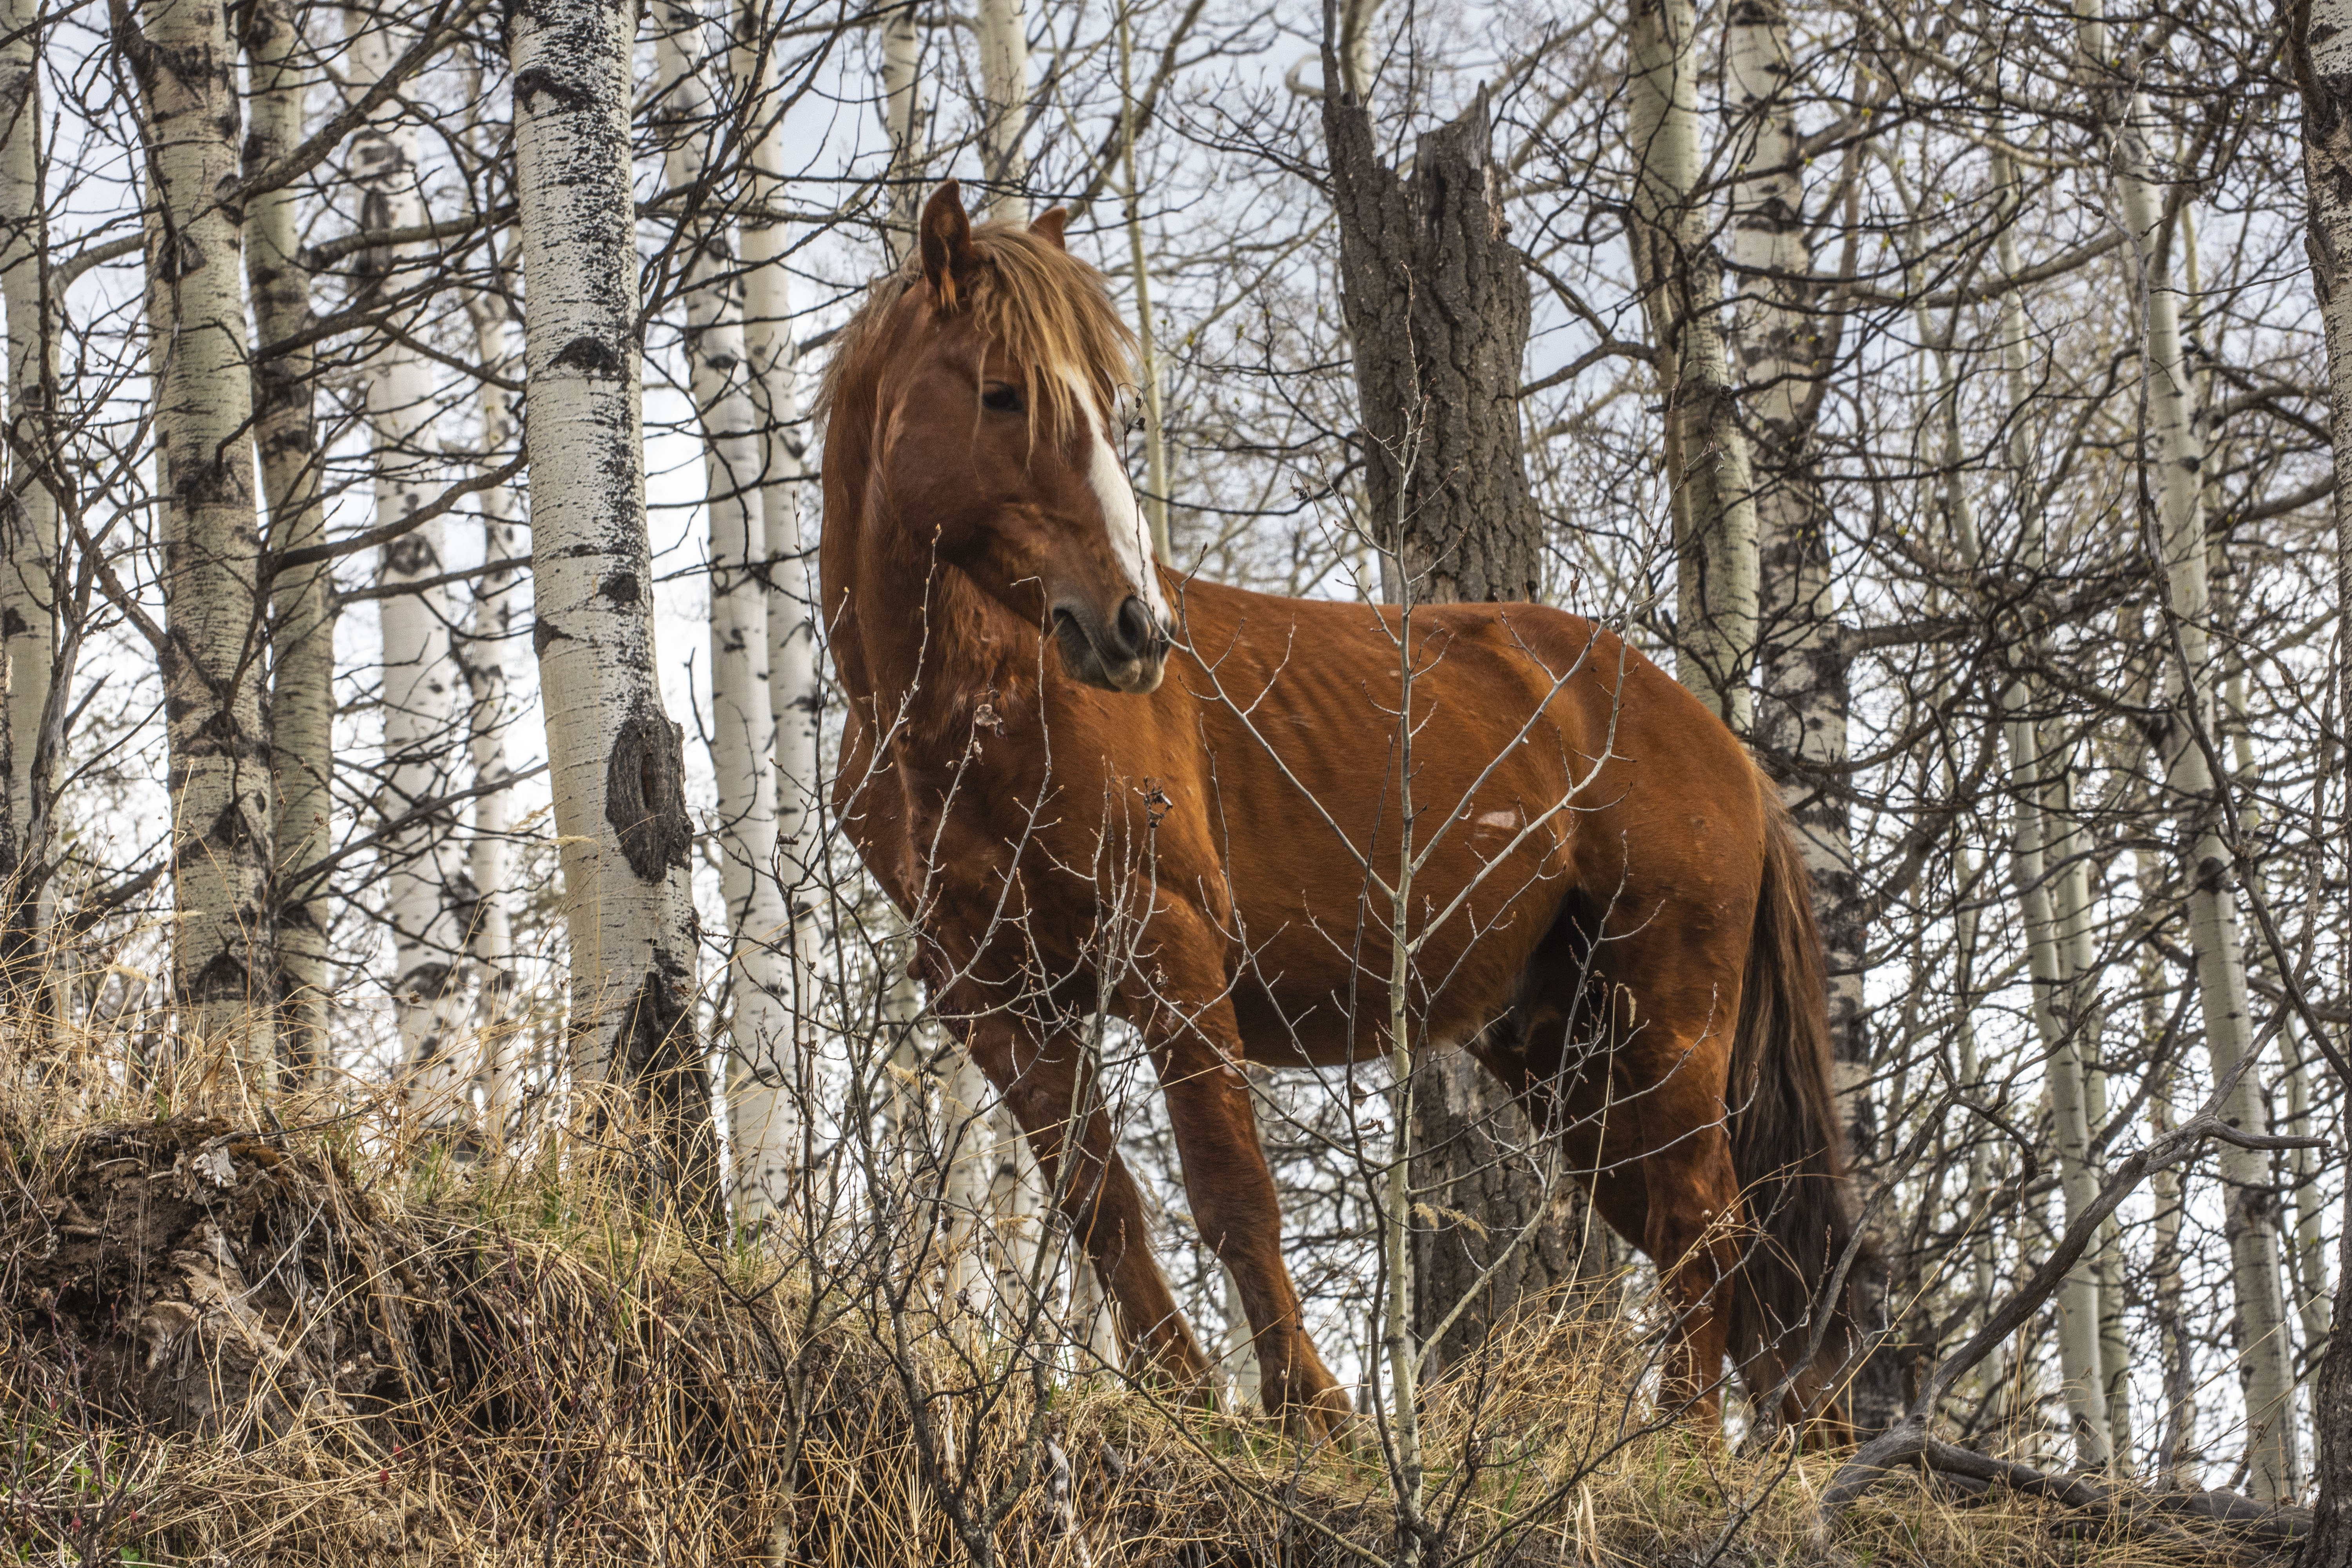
(1788, 1140)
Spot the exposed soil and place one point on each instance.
(199, 1278)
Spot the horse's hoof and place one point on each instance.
(1327, 1415)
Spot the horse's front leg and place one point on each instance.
(1052, 1096)
(1198, 1053)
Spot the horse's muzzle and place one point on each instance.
(1128, 653)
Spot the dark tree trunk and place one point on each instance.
(1436, 305)
(1435, 299)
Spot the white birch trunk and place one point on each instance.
(1707, 452)
(217, 720)
(1803, 704)
(761, 1102)
(2265, 1366)
(301, 598)
(1095, 1320)
(1004, 111)
(1147, 342)
(616, 761)
(2319, 50)
(2068, 861)
(1359, 46)
(29, 531)
(968, 1137)
(2308, 1252)
(2036, 781)
(486, 655)
(1239, 1354)
(968, 1127)
(420, 671)
(1982, 1243)
(2080, 1373)
(904, 118)
(742, 743)
(1016, 1203)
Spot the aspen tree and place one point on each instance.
(904, 117)
(1782, 336)
(1147, 341)
(760, 1087)
(2319, 48)
(1005, 110)
(301, 598)
(743, 717)
(28, 526)
(1782, 341)
(420, 671)
(485, 654)
(968, 1137)
(217, 721)
(2265, 1364)
(1359, 46)
(1015, 1200)
(1707, 452)
(615, 760)
(2052, 906)
(2080, 1375)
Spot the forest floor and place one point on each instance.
(230, 1348)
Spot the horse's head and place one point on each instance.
(987, 386)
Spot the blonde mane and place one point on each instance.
(1046, 308)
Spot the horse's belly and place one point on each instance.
(1315, 984)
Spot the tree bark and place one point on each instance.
(28, 533)
(425, 877)
(2250, 1215)
(486, 655)
(1146, 339)
(2050, 955)
(2319, 47)
(1004, 114)
(907, 124)
(302, 598)
(1682, 295)
(1784, 339)
(743, 717)
(616, 761)
(216, 706)
(759, 1091)
(1436, 306)
(1435, 299)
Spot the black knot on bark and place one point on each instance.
(568, 96)
(645, 794)
(592, 355)
(410, 556)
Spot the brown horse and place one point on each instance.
(1096, 788)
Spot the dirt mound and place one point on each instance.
(204, 1279)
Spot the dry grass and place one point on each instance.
(228, 1349)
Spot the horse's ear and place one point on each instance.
(1050, 224)
(949, 257)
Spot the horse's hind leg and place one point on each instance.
(1644, 1129)
(1044, 1084)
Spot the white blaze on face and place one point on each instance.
(1130, 534)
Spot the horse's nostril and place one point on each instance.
(1132, 628)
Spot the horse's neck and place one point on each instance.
(939, 657)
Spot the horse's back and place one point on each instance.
(1546, 759)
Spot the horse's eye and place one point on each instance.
(1000, 398)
